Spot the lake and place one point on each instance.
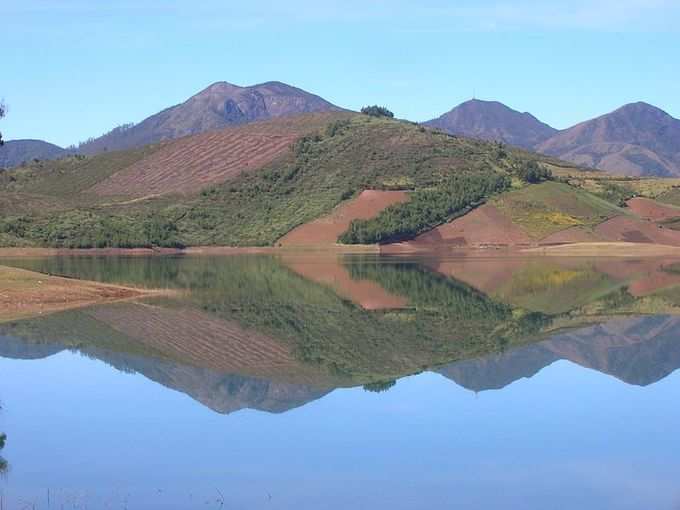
(328, 381)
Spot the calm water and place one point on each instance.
(314, 382)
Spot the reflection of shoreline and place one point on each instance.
(636, 350)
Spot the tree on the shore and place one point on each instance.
(3, 109)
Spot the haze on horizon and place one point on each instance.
(76, 69)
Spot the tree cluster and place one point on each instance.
(533, 173)
(426, 209)
(377, 111)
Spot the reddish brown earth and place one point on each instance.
(189, 164)
(652, 210)
(326, 230)
(331, 272)
(632, 230)
(484, 226)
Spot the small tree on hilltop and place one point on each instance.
(377, 111)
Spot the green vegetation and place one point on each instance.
(615, 193)
(91, 229)
(427, 208)
(377, 111)
(549, 207)
(532, 172)
(49, 203)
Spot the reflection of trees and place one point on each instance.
(3, 462)
(380, 386)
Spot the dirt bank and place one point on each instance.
(26, 294)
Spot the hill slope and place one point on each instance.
(220, 105)
(491, 120)
(15, 152)
(231, 196)
(637, 139)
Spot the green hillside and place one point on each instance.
(48, 203)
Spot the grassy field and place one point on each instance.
(550, 207)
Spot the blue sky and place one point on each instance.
(76, 68)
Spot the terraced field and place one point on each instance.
(192, 163)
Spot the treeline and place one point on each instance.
(426, 209)
(86, 229)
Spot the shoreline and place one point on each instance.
(588, 249)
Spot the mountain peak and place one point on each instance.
(635, 139)
(219, 105)
(492, 120)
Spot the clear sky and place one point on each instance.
(72, 69)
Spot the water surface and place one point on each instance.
(349, 382)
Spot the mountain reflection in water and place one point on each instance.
(274, 333)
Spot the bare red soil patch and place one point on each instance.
(485, 225)
(652, 210)
(192, 163)
(632, 230)
(330, 271)
(326, 230)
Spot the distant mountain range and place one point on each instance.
(637, 139)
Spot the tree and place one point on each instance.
(3, 109)
(533, 173)
(377, 111)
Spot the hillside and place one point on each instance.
(15, 152)
(316, 179)
(491, 120)
(637, 139)
(220, 105)
(242, 186)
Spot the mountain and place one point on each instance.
(491, 120)
(636, 350)
(638, 139)
(15, 152)
(220, 105)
